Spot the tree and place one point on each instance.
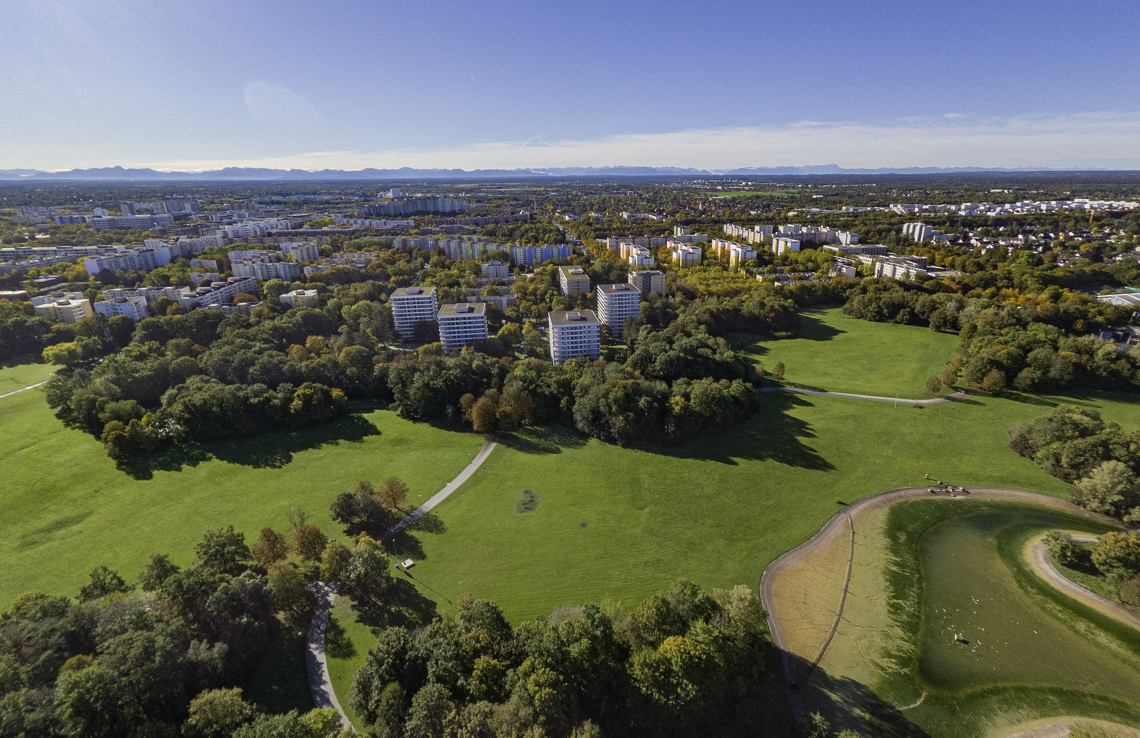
(949, 377)
(270, 548)
(994, 382)
(286, 590)
(485, 413)
(367, 575)
(430, 708)
(391, 712)
(778, 371)
(157, 570)
(393, 494)
(933, 386)
(1066, 552)
(309, 542)
(217, 713)
(1110, 489)
(223, 551)
(103, 582)
(335, 561)
(1117, 555)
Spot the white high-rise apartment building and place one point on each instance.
(573, 333)
(132, 307)
(298, 298)
(648, 282)
(301, 250)
(616, 302)
(920, 232)
(462, 324)
(266, 269)
(66, 309)
(411, 305)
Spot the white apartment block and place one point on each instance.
(127, 258)
(411, 305)
(639, 257)
(495, 270)
(573, 333)
(266, 269)
(573, 281)
(133, 307)
(217, 293)
(462, 324)
(68, 309)
(782, 244)
(197, 278)
(920, 232)
(732, 253)
(616, 302)
(299, 298)
(648, 282)
(684, 255)
(301, 250)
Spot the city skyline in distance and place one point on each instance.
(467, 86)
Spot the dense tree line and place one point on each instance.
(1115, 556)
(1033, 341)
(161, 657)
(686, 662)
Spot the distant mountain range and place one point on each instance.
(236, 174)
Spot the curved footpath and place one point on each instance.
(834, 526)
(1043, 563)
(316, 663)
(936, 401)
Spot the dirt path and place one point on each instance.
(936, 401)
(1043, 563)
(30, 386)
(834, 527)
(443, 494)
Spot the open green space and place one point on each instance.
(25, 372)
(838, 353)
(70, 508)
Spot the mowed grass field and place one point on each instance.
(69, 508)
(621, 524)
(838, 353)
(24, 372)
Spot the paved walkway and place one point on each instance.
(1039, 557)
(936, 401)
(315, 662)
(443, 494)
(835, 525)
(30, 386)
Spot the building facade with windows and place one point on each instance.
(573, 333)
(573, 281)
(648, 282)
(616, 303)
(461, 324)
(133, 307)
(411, 305)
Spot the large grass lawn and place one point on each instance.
(23, 372)
(842, 354)
(620, 524)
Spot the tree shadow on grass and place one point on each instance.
(847, 704)
(337, 643)
(403, 605)
(429, 522)
(268, 451)
(773, 434)
(813, 328)
(546, 439)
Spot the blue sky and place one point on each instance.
(354, 83)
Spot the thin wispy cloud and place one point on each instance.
(1091, 140)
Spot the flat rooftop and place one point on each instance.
(621, 287)
(573, 317)
(414, 292)
(463, 309)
